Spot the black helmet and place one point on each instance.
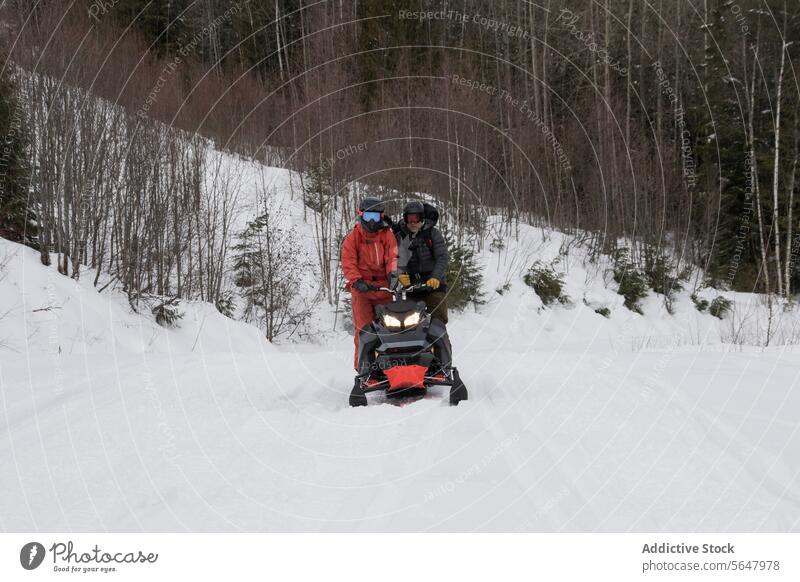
(370, 212)
(414, 207)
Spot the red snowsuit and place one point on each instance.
(370, 256)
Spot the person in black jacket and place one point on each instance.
(422, 256)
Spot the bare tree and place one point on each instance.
(776, 161)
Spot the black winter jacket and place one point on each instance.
(417, 257)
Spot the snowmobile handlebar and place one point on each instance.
(417, 287)
(401, 289)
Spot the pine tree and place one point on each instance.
(160, 22)
(15, 217)
(464, 277)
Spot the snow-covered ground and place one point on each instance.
(575, 422)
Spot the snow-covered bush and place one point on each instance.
(700, 303)
(226, 304)
(547, 283)
(604, 311)
(633, 284)
(662, 274)
(167, 313)
(497, 244)
(719, 307)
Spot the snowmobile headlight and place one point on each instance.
(412, 319)
(391, 322)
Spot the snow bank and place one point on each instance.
(46, 314)
(590, 286)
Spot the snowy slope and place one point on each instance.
(575, 423)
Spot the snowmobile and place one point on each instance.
(404, 352)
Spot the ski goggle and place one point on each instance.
(371, 216)
(412, 218)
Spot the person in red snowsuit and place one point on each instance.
(369, 256)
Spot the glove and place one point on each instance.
(360, 286)
(404, 279)
(433, 283)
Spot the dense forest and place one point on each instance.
(673, 125)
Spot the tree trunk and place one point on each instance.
(762, 243)
(790, 214)
(776, 163)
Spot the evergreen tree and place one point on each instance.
(15, 218)
(464, 277)
(161, 22)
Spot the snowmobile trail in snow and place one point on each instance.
(213, 445)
